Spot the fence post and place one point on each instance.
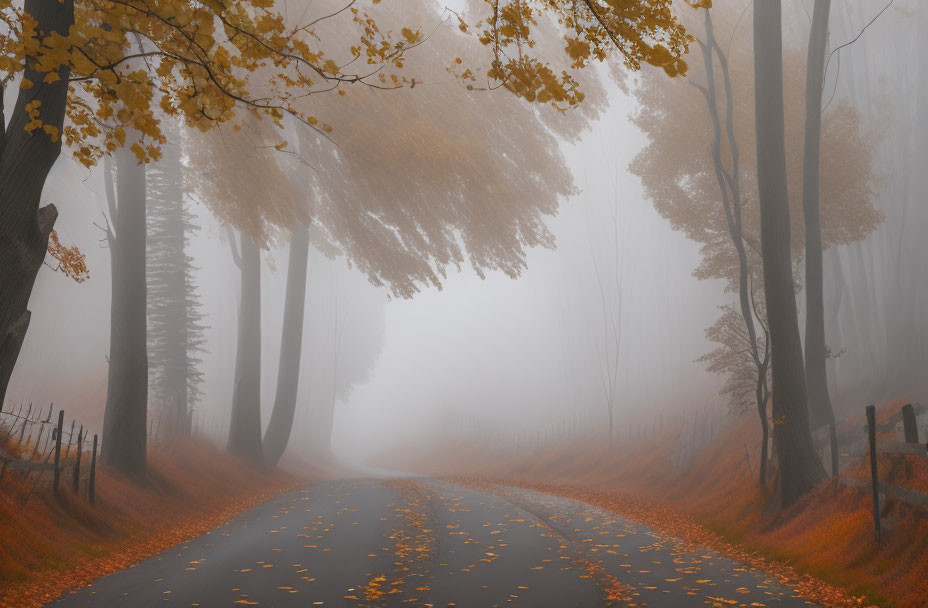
(871, 432)
(909, 424)
(93, 471)
(76, 482)
(58, 449)
(833, 439)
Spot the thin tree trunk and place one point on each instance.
(124, 421)
(291, 346)
(25, 161)
(799, 466)
(820, 410)
(245, 423)
(730, 181)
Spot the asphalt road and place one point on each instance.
(380, 544)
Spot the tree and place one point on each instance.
(699, 168)
(126, 416)
(175, 329)
(242, 178)
(820, 409)
(111, 66)
(799, 465)
(728, 178)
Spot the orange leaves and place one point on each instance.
(199, 61)
(70, 260)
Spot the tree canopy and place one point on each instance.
(127, 61)
(411, 181)
(676, 167)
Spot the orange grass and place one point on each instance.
(49, 546)
(823, 545)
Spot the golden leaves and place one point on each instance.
(130, 60)
(640, 32)
(70, 260)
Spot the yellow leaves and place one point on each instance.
(199, 61)
(640, 32)
(52, 131)
(71, 262)
(330, 67)
(411, 36)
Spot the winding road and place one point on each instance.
(422, 542)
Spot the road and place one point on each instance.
(410, 542)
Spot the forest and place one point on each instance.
(476, 303)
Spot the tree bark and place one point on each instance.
(820, 409)
(126, 415)
(245, 424)
(798, 463)
(25, 161)
(291, 346)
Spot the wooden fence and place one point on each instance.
(878, 445)
(47, 451)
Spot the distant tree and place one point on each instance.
(405, 191)
(175, 319)
(816, 351)
(126, 415)
(242, 178)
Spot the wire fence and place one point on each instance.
(39, 449)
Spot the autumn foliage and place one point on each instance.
(70, 260)
(131, 61)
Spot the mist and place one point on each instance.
(543, 251)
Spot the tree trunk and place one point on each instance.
(291, 346)
(126, 415)
(245, 424)
(799, 466)
(732, 207)
(25, 161)
(820, 410)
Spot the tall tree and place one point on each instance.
(175, 329)
(126, 415)
(245, 424)
(728, 178)
(699, 168)
(820, 410)
(799, 466)
(291, 346)
(26, 157)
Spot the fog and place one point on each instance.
(613, 301)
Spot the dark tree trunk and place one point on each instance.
(25, 161)
(820, 410)
(126, 415)
(291, 345)
(799, 465)
(245, 424)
